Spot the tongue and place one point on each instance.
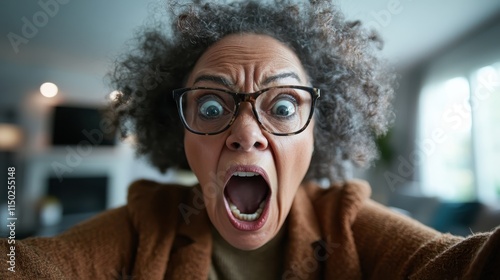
(246, 192)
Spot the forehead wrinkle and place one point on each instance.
(224, 74)
(249, 75)
(251, 67)
(231, 53)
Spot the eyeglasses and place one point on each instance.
(280, 110)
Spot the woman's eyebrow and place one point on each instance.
(224, 82)
(213, 78)
(273, 78)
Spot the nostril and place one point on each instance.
(258, 145)
(235, 145)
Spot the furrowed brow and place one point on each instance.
(271, 79)
(213, 78)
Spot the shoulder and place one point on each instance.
(147, 194)
(147, 190)
(151, 203)
(343, 200)
(350, 202)
(355, 190)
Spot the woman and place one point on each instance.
(260, 101)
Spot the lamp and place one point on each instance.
(10, 137)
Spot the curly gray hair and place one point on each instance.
(339, 56)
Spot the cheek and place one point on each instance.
(202, 155)
(295, 157)
(297, 164)
(293, 160)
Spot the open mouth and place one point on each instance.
(247, 195)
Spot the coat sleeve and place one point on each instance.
(391, 246)
(101, 248)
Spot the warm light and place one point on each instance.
(10, 137)
(48, 90)
(130, 139)
(114, 95)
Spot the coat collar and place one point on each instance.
(191, 252)
(175, 240)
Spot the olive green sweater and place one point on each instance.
(164, 233)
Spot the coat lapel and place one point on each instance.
(153, 211)
(191, 252)
(337, 208)
(303, 258)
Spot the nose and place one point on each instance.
(245, 133)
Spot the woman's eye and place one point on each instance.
(211, 109)
(283, 108)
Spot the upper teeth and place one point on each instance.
(245, 174)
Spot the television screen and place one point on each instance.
(72, 125)
(79, 194)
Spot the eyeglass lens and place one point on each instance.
(279, 110)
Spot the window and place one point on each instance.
(459, 134)
(486, 127)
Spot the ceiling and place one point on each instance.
(77, 41)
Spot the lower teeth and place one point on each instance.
(247, 217)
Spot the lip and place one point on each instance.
(247, 225)
(245, 168)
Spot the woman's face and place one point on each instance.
(245, 167)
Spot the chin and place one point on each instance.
(249, 240)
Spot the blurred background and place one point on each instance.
(439, 163)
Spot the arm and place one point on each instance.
(100, 248)
(394, 246)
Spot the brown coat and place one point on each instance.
(164, 233)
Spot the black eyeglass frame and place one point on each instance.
(246, 97)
